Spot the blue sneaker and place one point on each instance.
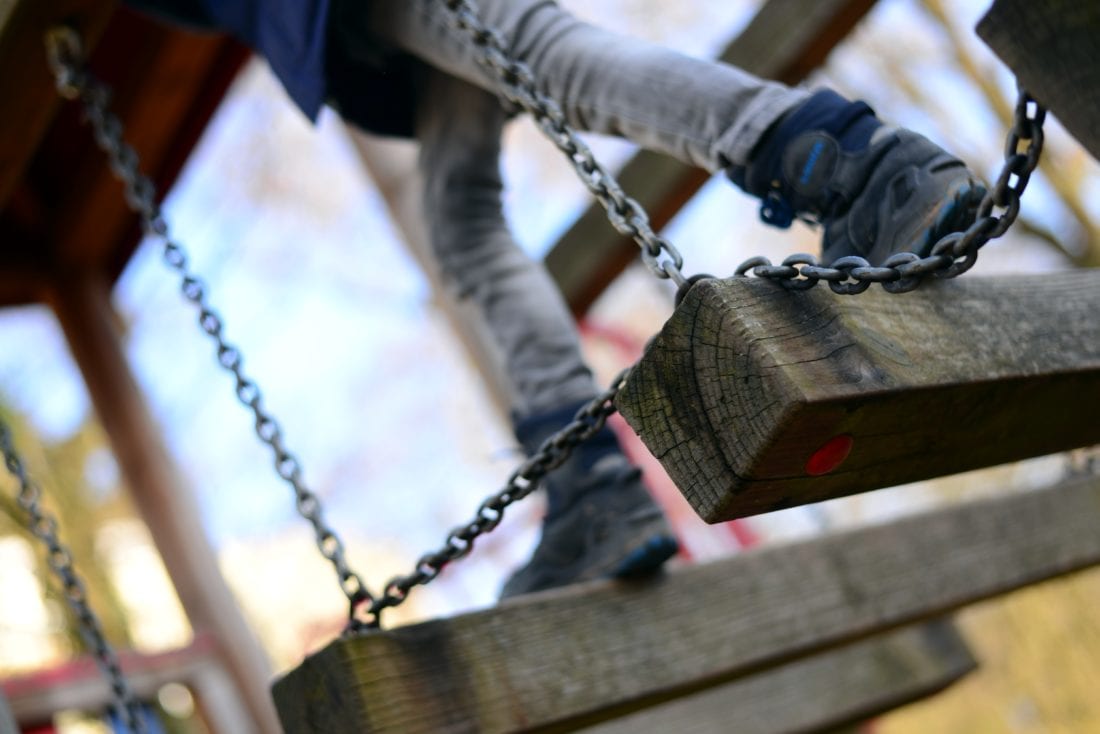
(601, 521)
(875, 190)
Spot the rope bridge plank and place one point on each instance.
(568, 658)
(834, 689)
(756, 398)
(1051, 45)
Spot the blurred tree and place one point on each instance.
(61, 470)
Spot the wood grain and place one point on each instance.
(573, 657)
(747, 381)
(829, 690)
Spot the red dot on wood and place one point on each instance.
(831, 455)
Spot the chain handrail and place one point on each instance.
(43, 525)
(951, 256)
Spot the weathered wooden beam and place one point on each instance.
(26, 86)
(569, 658)
(751, 395)
(166, 84)
(822, 693)
(83, 308)
(785, 41)
(60, 206)
(1052, 47)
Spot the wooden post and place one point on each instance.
(756, 398)
(82, 305)
(1053, 47)
(566, 658)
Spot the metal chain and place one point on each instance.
(517, 85)
(75, 82)
(953, 255)
(551, 454)
(43, 526)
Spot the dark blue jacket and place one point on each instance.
(308, 46)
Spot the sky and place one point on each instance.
(337, 326)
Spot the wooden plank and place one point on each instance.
(785, 41)
(27, 87)
(1052, 47)
(749, 387)
(819, 694)
(64, 209)
(82, 305)
(166, 84)
(576, 656)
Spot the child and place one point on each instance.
(400, 67)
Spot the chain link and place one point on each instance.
(953, 254)
(43, 526)
(551, 454)
(74, 82)
(517, 84)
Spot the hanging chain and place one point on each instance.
(75, 82)
(953, 255)
(43, 526)
(517, 84)
(551, 454)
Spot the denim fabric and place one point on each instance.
(704, 113)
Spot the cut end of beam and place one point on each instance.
(756, 398)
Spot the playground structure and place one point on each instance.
(963, 554)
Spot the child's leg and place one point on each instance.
(523, 309)
(600, 519)
(705, 113)
(876, 190)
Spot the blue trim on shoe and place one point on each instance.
(648, 558)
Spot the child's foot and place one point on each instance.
(612, 529)
(876, 190)
(600, 521)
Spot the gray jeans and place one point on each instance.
(704, 113)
